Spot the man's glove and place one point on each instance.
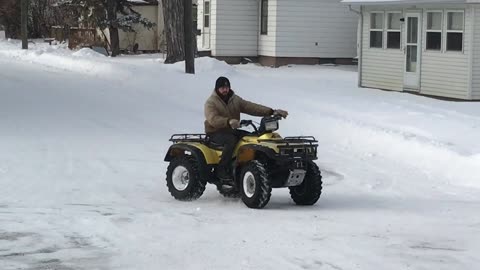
(281, 113)
(234, 123)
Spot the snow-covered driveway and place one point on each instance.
(82, 142)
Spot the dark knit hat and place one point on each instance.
(222, 81)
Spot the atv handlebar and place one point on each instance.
(246, 123)
(262, 127)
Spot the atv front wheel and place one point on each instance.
(255, 185)
(183, 179)
(310, 190)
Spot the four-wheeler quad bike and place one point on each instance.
(262, 160)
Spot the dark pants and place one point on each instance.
(229, 140)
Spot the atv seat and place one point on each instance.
(213, 145)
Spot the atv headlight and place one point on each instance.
(271, 125)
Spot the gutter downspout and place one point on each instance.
(359, 41)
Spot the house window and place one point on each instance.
(393, 30)
(206, 14)
(264, 18)
(434, 31)
(455, 25)
(376, 30)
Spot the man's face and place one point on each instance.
(224, 90)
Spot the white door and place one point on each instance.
(412, 51)
(206, 25)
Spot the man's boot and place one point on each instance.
(224, 176)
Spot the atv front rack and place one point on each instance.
(201, 138)
(301, 147)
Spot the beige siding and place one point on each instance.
(381, 68)
(266, 43)
(312, 28)
(162, 45)
(146, 39)
(447, 73)
(476, 56)
(235, 30)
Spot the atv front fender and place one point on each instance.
(252, 151)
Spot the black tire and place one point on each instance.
(310, 190)
(195, 186)
(233, 192)
(259, 194)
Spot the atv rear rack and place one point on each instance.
(201, 138)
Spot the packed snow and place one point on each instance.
(82, 175)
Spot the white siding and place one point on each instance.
(476, 56)
(447, 73)
(235, 28)
(442, 73)
(266, 43)
(313, 28)
(200, 24)
(381, 68)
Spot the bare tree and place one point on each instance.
(111, 14)
(173, 13)
(10, 14)
(189, 37)
(24, 24)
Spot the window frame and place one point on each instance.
(264, 17)
(388, 30)
(382, 30)
(446, 31)
(442, 24)
(206, 15)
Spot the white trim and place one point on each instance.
(382, 30)
(446, 31)
(360, 57)
(388, 30)
(426, 30)
(419, 15)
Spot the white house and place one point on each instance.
(431, 47)
(277, 32)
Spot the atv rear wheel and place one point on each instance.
(183, 179)
(255, 185)
(310, 190)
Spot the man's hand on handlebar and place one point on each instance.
(281, 113)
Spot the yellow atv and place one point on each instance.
(262, 160)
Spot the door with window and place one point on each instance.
(412, 50)
(206, 25)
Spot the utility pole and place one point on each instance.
(188, 30)
(24, 19)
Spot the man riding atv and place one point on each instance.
(222, 118)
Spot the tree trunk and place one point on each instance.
(189, 51)
(24, 24)
(173, 12)
(113, 28)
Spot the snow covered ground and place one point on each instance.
(82, 185)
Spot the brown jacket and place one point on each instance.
(218, 113)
